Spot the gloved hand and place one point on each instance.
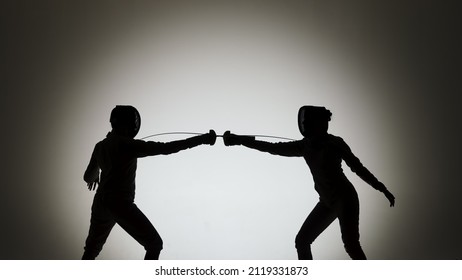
(209, 138)
(92, 185)
(232, 139)
(381, 187)
(390, 197)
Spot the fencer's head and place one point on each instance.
(125, 120)
(313, 120)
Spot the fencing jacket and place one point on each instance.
(116, 157)
(324, 156)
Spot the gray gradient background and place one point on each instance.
(387, 69)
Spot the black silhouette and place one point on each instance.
(116, 157)
(323, 153)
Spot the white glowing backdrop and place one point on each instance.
(245, 68)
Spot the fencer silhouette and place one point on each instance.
(116, 157)
(338, 198)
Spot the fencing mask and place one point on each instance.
(126, 118)
(312, 114)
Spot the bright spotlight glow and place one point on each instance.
(250, 75)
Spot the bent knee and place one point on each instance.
(302, 241)
(155, 243)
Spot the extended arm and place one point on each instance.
(143, 149)
(357, 167)
(288, 149)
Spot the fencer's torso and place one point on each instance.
(324, 157)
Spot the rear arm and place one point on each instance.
(92, 172)
(357, 167)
